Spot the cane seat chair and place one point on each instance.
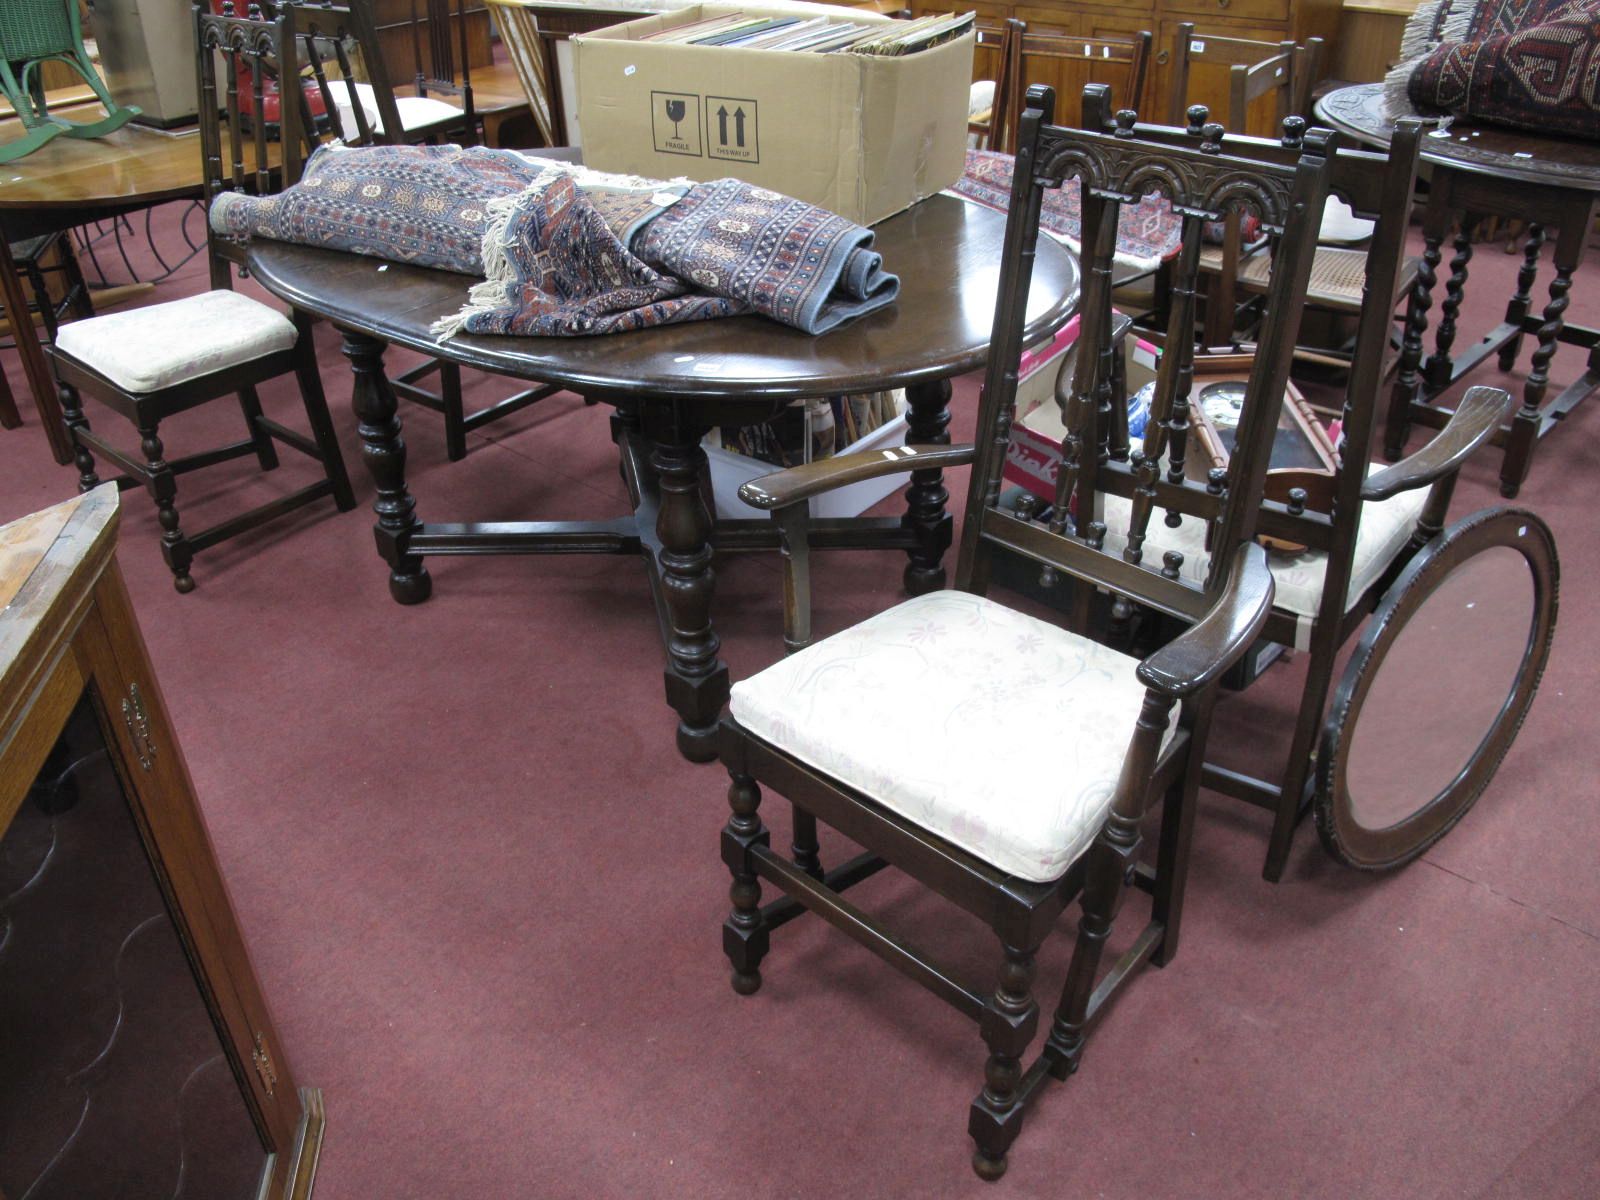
(152, 363)
(897, 732)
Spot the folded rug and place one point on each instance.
(556, 268)
(1530, 64)
(781, 257)
(568, 251)
(424, 205)
(556, 263)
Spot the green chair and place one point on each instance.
(32, 33)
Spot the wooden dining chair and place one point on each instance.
(1005, 763)
(149, 364)
(1359, 526)
(1025, 53)
(990, 128)
(437, 71)
(326, 32)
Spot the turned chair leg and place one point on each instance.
(744, 933)
(806, 849)
(250, 405)
(72, 417)
(1172, 866)
(317, 416)
(1009, 1021)
(163, 486)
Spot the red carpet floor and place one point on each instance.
(483, 892)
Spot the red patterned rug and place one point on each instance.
(1531, 64)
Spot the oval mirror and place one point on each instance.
(1437, 688)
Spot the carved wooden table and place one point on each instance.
(1481, 171)
(670, 386)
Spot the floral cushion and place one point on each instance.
(147, 349)
(993, 730)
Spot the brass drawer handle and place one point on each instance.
(1224, 3)
(133, 716)
(1163, 58)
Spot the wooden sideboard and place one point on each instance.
(1258, 20)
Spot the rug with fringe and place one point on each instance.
(568, 251)
(1529, 64)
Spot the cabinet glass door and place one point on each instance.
(113, 1079)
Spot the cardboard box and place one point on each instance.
(1034, 456)
(731, 471)
(863, 136)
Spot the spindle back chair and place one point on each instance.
(896, 732)
(436, 70)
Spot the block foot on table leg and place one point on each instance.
(384, 452)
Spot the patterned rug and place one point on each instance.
(1529, 64)
(567, 251)
(554, 264)
(424, 205)
(1148, 234)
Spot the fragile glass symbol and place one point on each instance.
(675, 113)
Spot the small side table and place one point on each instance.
(1483, 171)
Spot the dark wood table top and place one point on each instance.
(946, 252)
(1360, 112)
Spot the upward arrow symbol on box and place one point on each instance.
(738, 125)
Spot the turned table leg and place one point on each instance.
(1438, 369)
(927, 424)
(1525, 425)
(696, 679)
(1408, 384)
(384, 452)
(1522, 299)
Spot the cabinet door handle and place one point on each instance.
(138, 723)
(1163, 57)
(1224, 3)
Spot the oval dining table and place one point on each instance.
(670, 385)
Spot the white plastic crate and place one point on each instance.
(729, 471)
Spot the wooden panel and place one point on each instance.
(1236, 10)
(398, 42)
(1368, 43)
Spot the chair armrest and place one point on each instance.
(1479, 414)
(794, 484)
(1208, 648)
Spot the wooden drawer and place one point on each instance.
(1235, 10)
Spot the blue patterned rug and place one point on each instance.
(566, 251)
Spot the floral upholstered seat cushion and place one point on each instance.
(998, 732)
(1386, 527)
(146, 349)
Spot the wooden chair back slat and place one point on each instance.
(1205, 175)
